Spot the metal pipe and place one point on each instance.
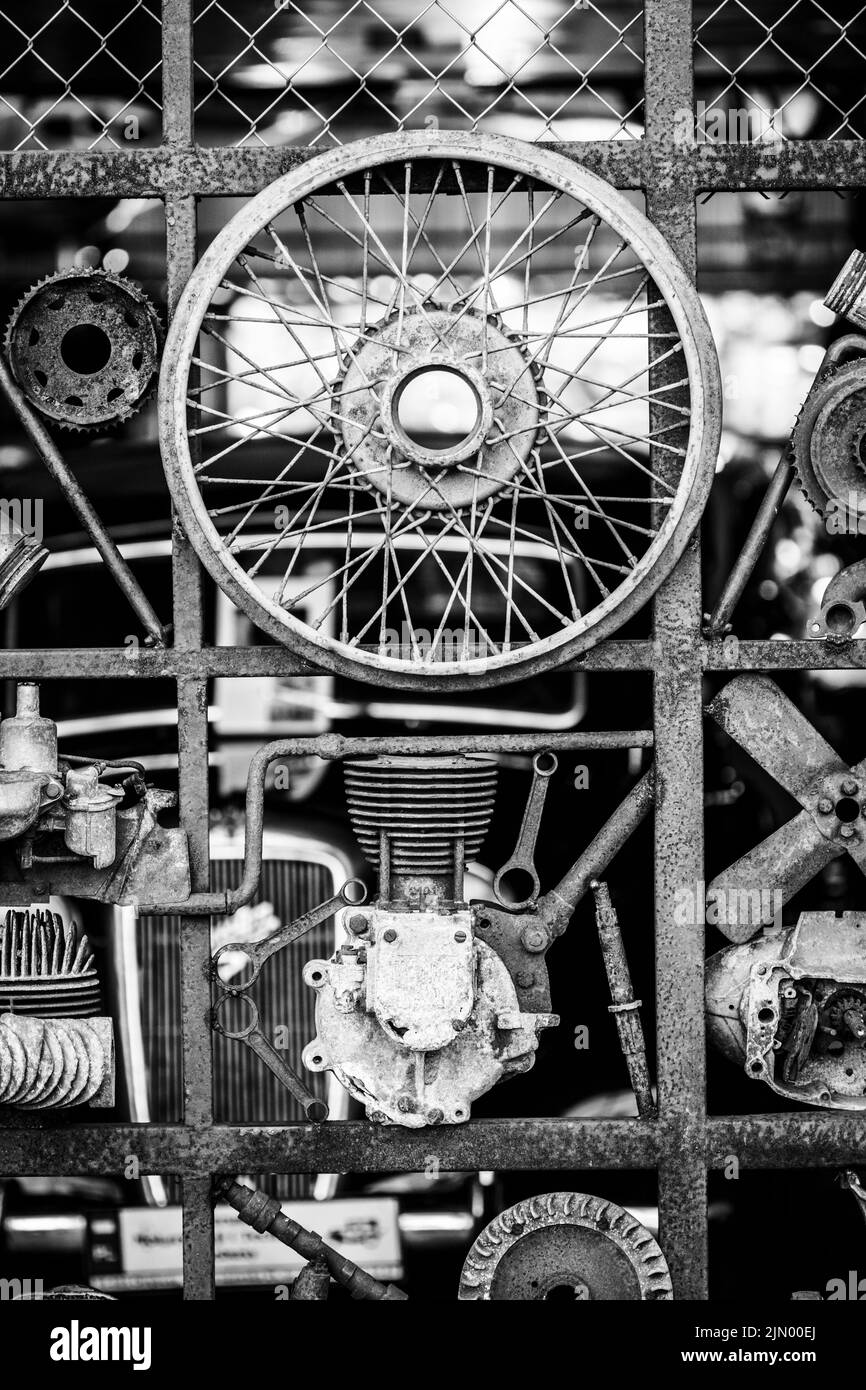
(719, 620)
(624, 1006)
(74, 495)
(557, 906)
(335, 747)
(264, 1213)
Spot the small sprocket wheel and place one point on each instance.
(827, 443)
(84, 347)
(568, 1246)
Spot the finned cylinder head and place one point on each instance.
(426, 806)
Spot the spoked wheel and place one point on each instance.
(407, 415)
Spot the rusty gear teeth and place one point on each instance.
(826, 440)
(115, 308)
(565, 1240)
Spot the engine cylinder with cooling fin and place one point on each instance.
(429, 815)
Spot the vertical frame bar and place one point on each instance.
(181, 231)
(678, 724)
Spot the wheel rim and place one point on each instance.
(537, 389)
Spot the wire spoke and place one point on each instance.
(357, 507)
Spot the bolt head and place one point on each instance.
(389, 935)
(458, 1025)
(534, 939)
(435, 1117)
(358, 924)
(460, 936)
(825, 806)
(406, 1105)
(847, 832)
(850, 787)
(525, 979)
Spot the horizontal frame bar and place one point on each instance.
(180, 170)
(757, 1141)
(174, 663)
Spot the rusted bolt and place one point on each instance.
(435, 1117)
(825, 805)
(850, 787)
(458, 1025)
(389, 935)
(358, 924)
(534, 939)
(846, 832)
(525, 979)
(406, 1105)
(460, 936)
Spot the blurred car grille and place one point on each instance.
(245, 1092)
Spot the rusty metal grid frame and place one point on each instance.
(682, 1143)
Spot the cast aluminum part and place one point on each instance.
(56, 1048)
(843, 610)
(565, 1245)
(790, 1008)
(36, 796)
(753, 711)
(416, 1015)
(48, 366)
(64, 830)
(489, 482)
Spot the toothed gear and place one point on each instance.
(84, 347)
(826, 441)
(565, 1244)
(509, 404)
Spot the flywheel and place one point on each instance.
(408, 415)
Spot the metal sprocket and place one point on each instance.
(60, 380)
(565, 1241)
(825, 442)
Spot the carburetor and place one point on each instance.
(39, 798)
(80, 826)
(416, 1014)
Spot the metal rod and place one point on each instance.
(624, 1006)
(263, 1213)
(719, 621)
(557, 906)
(74, 495)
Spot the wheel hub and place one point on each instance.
(486, 437)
